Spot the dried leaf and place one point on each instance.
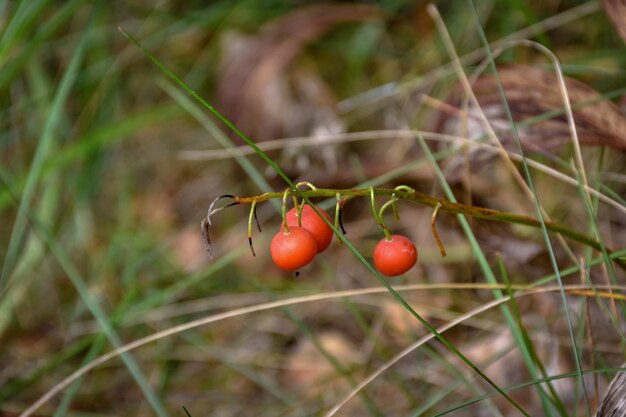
(254, 90)
(614, 401)
(616, 12)
(532, 92)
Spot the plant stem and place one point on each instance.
(446, 205)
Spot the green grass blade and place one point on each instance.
(538, 210)
(469, 382)
(515, 311)
(435, 399)
(99, 136)
(32, 254)
(596, 231)
(103, 321)
(484, 264)
(41, 153)
(24, 16)
(11, 68)
(382, 352)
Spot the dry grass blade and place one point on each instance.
(293, 301)
(310, 141)
(616, 12)
(217, 154)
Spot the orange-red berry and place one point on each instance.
(322, 233)
(396, 256)
(293, 250)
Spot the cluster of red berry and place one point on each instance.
(297, 244)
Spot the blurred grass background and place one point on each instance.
(106, 175)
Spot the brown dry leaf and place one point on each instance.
(614, 401)
(531, 92)
(616, 12)
(254, 91)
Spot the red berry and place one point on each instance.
(293, 250)
(396, 256)
(322, 233)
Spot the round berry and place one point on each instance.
(294, 249)
(322, 233)
(396, 256)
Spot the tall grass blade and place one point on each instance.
(41, 153)
(11, 68)
(515, 311)
(24, 16)
(538, 210)
(482, 261)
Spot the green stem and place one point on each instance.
(285, 194)
(391, 203)
(378, 215)
(250, 218)
(338, 224)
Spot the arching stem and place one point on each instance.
(392, 203)
(284, 211)
(338, 221)
(308, 184)
(211, 210)
(377, 215)
(206, 222)
(301, 206)
(250, 217)
(394, 207)
(206, 239)
(434, 230)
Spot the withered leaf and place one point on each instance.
(532, 92)
(258, 89)
(614, 401)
